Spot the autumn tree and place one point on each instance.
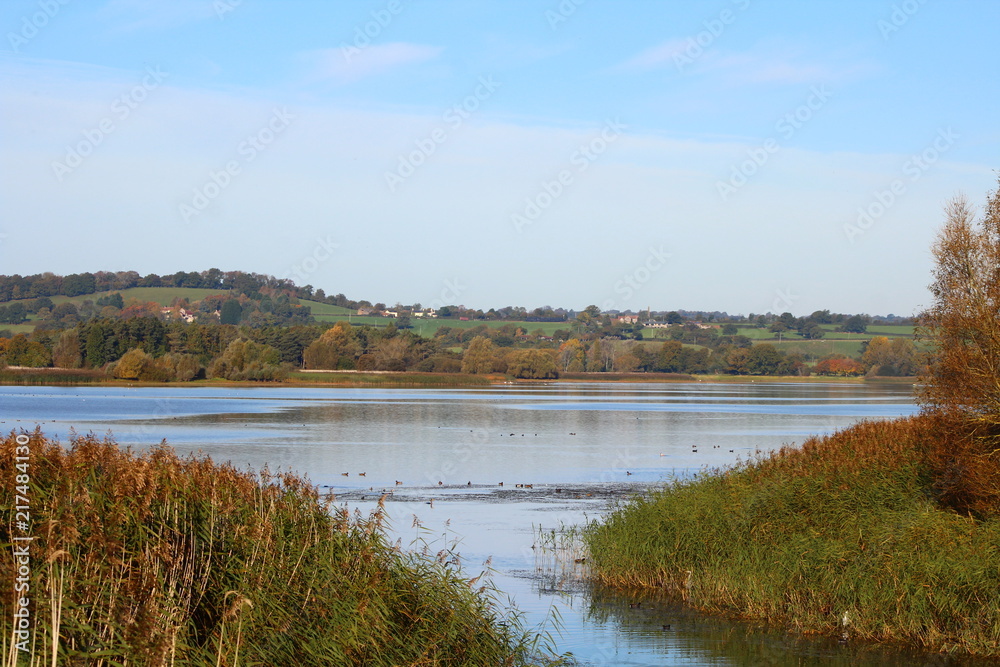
(596, 358)
(963, 378)
(19, 351)
(628, 362)
(178, 366)
(890, 358)
(133, 365)
(960, 389)
(67, 352)
(479, 358)
(393, 354)
(766, 359)
(335, 348)
(247, 360)
(572, 356)
(532, 364)
(839, 365)
(736, 361)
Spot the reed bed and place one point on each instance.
(50, 376)
(153, 559)
(843, 536)
(389, 379)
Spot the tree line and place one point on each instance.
(266, 311)
(144, 347)
(16, 287)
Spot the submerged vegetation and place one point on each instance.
(151, 559)
(887, 531)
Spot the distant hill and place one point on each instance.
(161, 295)
(49, 284)
(323, 309)
(247, 298)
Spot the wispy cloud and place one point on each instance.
(781, 65)
(785, 69)
(346, 65)
(655, 57)
(132, 15)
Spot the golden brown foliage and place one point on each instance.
(962, 383)
(336, 348)
(153, 559)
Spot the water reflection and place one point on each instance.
(562, 451)
(659, 627)
(591, 432)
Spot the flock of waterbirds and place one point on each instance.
(468, 485)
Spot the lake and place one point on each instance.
(561, 451)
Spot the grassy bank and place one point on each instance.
(155, 560)
(840, 536)
(66, 376)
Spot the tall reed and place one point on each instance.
(841, 536)
(153, 559)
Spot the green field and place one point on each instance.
(753, 333)
(822, 347)
(325, 308)
(18, 328)
(429, 327)
(355, 319)
(530, 327)
(891, 330)
(830, 333)
(161, 295)
(832, 342)
(164, 295)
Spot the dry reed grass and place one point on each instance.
(153, 559)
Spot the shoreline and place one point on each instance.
(19, 376)
(839, 536)
(274, 569)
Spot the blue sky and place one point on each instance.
(739, 155)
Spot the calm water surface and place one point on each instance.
(580, 446)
